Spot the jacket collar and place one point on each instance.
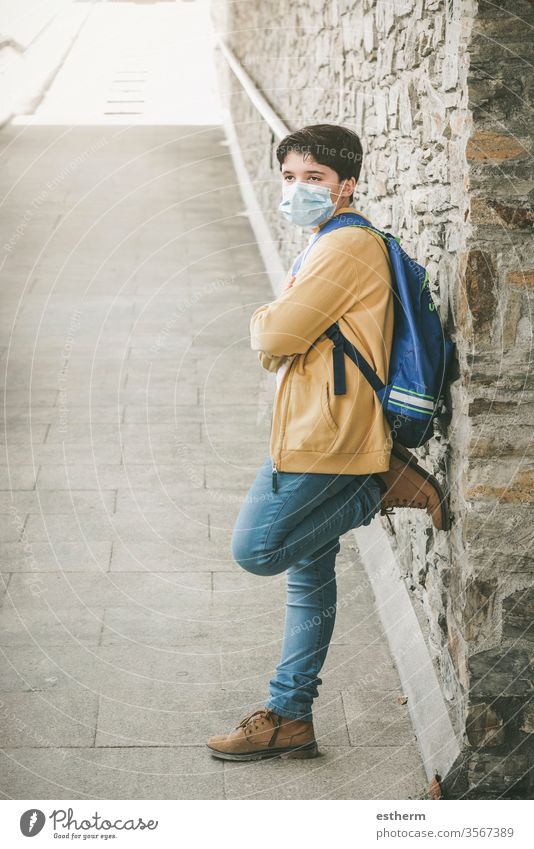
(339, 211)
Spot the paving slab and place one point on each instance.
(42, 627)
(165, 591)
(49, 718)
(342, 772)
(63, 454)
(54, 555)
(377, 717)
(50, 501)
(101, 669)
(163, 557)
(138, 772)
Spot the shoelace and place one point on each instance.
(265, 713)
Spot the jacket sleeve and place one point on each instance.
(269, 362)
(324, 289)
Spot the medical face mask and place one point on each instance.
(305, 204)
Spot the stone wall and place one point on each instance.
(438, 91)
(495, 631)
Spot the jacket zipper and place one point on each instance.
(274, 473)
(274, 477)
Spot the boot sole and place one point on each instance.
(410, 460)
(297, 753)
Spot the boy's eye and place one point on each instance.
(289, 178)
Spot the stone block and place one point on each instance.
(527, 723)
(517, 489)
(524, 279)
(486, 210)
(498, 775)
(369, 32)
(502, 440)
(503, 563)
(518, 615)
(481, 288)
(479, 612)
(405, 110)
(490, 147)
(449, 71)
(483, 726)
(507, 528)
(456, 650)
(501, 672)
(484, 406)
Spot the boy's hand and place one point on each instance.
(289, 284)
(270, 363)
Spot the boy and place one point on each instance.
(331, 466)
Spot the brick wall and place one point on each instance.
(439, 92)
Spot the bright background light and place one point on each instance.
(132, 63)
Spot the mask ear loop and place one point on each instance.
(343, 185)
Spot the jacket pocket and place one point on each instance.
(326, 408)
(309, 423)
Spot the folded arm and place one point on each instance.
(269, 362)
(324, 289)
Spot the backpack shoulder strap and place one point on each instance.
(346, 219)
(342, 345)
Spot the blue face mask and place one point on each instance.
(306, 205)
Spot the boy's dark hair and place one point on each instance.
(329, 144)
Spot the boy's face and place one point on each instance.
(302, 168)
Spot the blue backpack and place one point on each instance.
(420, 353)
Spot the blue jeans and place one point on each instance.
(297, 529)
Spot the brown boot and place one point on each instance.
(265, 734)
(409, 485)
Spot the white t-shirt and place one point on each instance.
(281, 370)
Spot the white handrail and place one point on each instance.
(254, 94)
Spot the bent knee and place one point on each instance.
(248, 557)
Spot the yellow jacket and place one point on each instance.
(346, 277)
